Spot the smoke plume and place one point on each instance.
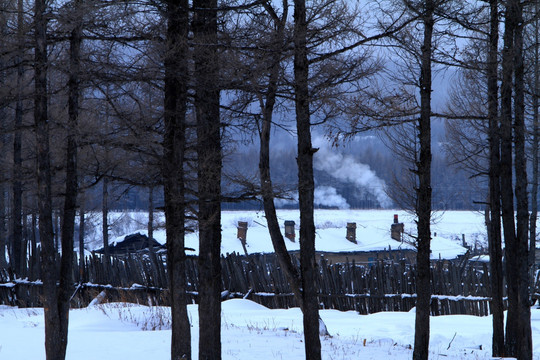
(324, 196)
(345, 168)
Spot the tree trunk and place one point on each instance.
(105, 220)
(423, 193)
(507, 196)
(3, 232)
(524, 335)
(81, 238)
(175, 103)
(55, 346)
(306, 185)
(494, 226)
(150, 224)
(23, 273)
(267, 190)
(34, 274)
(535, 141)
(150, 230)
(16, 210)
(72, 186)
(209, 176)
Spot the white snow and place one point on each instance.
(136, 332)
(372, 231)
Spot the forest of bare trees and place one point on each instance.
(105, 98)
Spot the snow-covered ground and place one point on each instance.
(136, 332)
(119, 331)
(123, 331)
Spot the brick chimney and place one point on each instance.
(289, 230)
(351, 232)
(397, 229)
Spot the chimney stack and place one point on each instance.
(289, 230)
(351, 232)
(397, 229)
(241, 234)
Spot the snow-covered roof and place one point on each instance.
(372, 233)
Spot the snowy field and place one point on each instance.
(117, 331)
(137, 332)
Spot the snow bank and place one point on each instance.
(117, 331)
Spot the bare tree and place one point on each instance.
(206, 71)
(176, 79)
(72, 183)
(518, 331)
(55, 333)
(16, 212)
(494, 231)
(306, 184)
(535, 139)
(475, 143)
(423, 192)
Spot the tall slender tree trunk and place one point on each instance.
(34, 273)
(267, 188)
(24, 247)
(72, 185)
(423, 192)
(494, 230)
(55, 346)
(3, 204)
(175, 104)
(507, 196)
(209, 176)
(105, 219)
(306, 185)
(81, 238)
(535, 141)
(522, 200)
(5, 152)
(150, 224)
(3, 230)
(16, 210)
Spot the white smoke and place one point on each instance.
(328, 196)
(323, 196)
(347, 169)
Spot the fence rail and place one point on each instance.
(456, 288)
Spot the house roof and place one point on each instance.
(372, 233)
(132, 243)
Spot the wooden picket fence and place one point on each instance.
(385, 286)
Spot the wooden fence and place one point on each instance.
(456, 289)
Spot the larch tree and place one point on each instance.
(518, 340)
(55, 334)
(175, 107)
(473, 135)
(306, 184)
(16, 183)
(333, 68)
(72, 183)
(423, 191)
(209, 168)
(494, 230)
